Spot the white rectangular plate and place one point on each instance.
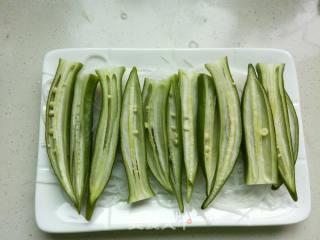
(236, 205)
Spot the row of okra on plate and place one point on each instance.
(172, 127)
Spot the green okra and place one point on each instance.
(271, 77)
(106, 139)
(230, 134)
(81, 134)
(155, 95)
(294, 130)
(208, 129)
(132, 140)
(294, 127)
(259, 133)
(174, 132)
(58, 122)
(189, 107)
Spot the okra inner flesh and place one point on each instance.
(81, 134)
(57, 126)
(106, 139)
(189, 107)
(294, 129)
(174, 131)
(133, 141)
(259, 134)
(230, 125)
(208, 129)
(271, 77)
(155, 95)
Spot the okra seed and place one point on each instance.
(264, 131)
(279, 155)
(176, 141)
(207, 149)
(173, 128)
(51, 131)
(135, 109)
(51, 113)
(173, 115)
(109, 96)
(135, 132)
(51, 104)
(146, 125)
(186, 129)
(206, 137)
(54, 89)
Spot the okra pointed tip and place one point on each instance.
(78, 206)
(134, 70)
(180, 204)
(189, 191)
(251, 69)
(294, 195)
(90, 209)
(204, 205)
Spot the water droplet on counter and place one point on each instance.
(123, 16)
(193, 44)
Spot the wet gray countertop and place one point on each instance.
(28, 29)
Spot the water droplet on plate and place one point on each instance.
(123, 16)
(193, 44)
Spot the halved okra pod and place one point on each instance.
(189, 107)
(294, 130)
(81, 134)
(174, 131)
(294, 127)
(107, 134)
(259, 135)
(230, 125)
(57, 126)
(155, 95)
(271, 77)
(133, 141)
(208, 129)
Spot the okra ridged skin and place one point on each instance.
(58, 122)
(155, 95)
(259, 135)
(132, 141)
(208, 129)
(188, 83)
(271, 77)
(230, 125)
(107, 135)
(174, 131)
(81, 134)
(294, 129)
